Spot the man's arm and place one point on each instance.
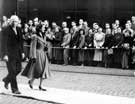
(5, 43)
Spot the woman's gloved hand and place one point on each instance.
(33, 59)
(45, 48)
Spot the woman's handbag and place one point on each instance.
(29, 69)
(45, 48)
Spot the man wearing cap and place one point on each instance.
(13, 53)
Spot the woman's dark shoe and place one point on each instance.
(42, 89)
(30, 85)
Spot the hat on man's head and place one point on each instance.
(14, 18)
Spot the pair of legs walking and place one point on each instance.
(14, 68)
(30, 82)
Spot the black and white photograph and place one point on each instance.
(67, 51)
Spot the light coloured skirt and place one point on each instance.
(38, 69)
(97, 55)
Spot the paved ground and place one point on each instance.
(85, 69)
(65, 96)
(119, 86)
(8, 99)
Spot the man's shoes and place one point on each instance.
(5, 83)
(16, 92)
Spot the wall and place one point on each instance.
(92, 10)
(8, 7)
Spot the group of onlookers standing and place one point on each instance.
(81, 44)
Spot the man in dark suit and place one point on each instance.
(13, 53)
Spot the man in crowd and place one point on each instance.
(66, 44)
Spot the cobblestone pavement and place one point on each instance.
(123, 86)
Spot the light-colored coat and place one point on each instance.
(66, 40)
(99, 39)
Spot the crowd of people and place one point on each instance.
(82, 44)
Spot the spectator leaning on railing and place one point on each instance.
(66, 44)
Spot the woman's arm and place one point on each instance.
(41, 39)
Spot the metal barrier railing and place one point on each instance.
(74, 48)
(116, 57)
(83, 48)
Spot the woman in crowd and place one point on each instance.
(37, 67)
(99, 39)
